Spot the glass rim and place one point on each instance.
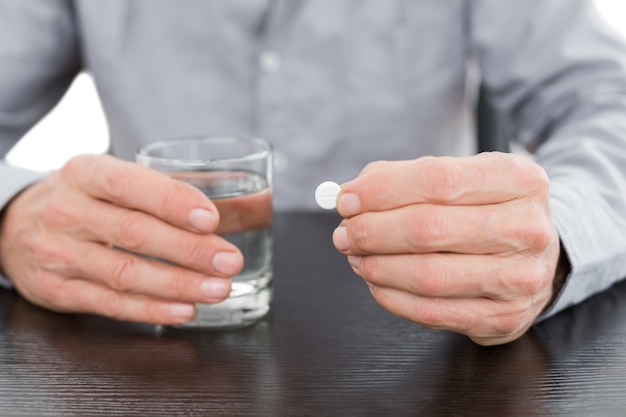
(143, 153)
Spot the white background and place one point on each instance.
(77, 124)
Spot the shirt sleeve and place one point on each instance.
(559, 73)
(39, 58)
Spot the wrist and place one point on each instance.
(5, 240)
(563, 268)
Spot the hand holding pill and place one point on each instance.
(460, 244)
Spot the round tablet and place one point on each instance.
(326, 195)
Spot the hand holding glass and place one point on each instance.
(236, 174)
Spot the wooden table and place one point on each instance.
(326, 349)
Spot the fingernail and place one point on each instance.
(227, 263)
(182, 311)
(355, 261)
(202, 219)
(340, 238)
(349, 204)
(215, 288)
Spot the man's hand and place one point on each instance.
(461, 244)
(60, 240)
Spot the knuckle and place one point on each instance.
(111, 304)
(532, 281)
(432, 278)
(76, 165)
(172, 196)
(532, 174)
(116, 182)
(511, 323)
(428, 228)
(131, 234)
(542, 181)
(177, 197)
(536, 174)
(48, 289)
(381, 193)
(429, 315)
(57, 211)
(382, 297)
(368, 268)
(43, 248)
(374, 166)
(50, 254)
(537, 234)
(123, 274)
(195, 248)
(152, 312)
(178, 286)
(360, 235)
(443, 182)
(69, 261)
(511, 319)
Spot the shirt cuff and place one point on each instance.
(14, 180)
(597, 254)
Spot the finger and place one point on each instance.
(139, 232)
(80, 296)
(486, 321)
(135, 187)
(381, 166)
(485, 178)
(450, 275)
(125, 272)
(243, 212)
(423, 228)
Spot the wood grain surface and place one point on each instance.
(326, 349)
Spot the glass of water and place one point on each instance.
(236, 174)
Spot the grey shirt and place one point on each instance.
(335, 84)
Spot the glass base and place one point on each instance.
(249, 301)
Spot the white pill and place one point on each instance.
(326, 195)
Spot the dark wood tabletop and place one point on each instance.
(326, 349)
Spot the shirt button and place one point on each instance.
(270, 62)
